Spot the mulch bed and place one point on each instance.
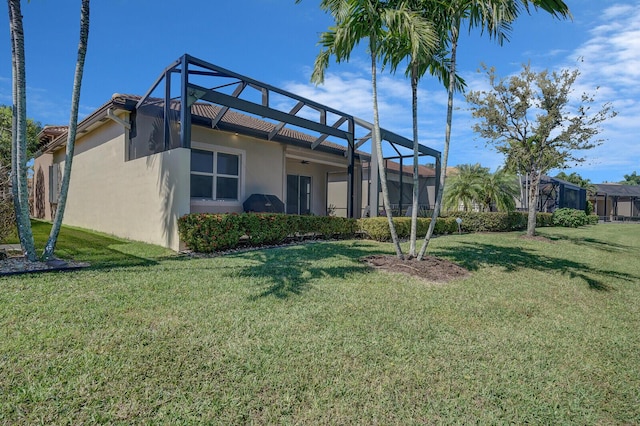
(430, 268)
(17, 265)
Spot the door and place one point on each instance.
(298, 194)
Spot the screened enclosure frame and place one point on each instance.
(225, 88)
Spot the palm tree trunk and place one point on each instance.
(20, 189)
(416, 157)
(377, 142)
(455, 31)
(73, 125)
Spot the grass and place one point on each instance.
(543, 333)
(101, 250)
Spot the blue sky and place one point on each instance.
(274, 41)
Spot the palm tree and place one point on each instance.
(499, 189)
(465, 188)
(420, 60)
(19, 186)
(493, 16)
(372, 20)
(73, 125)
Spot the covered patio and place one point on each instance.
(616, 202)
(291, 120)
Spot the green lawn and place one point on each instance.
(542, 333)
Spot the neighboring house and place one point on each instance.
(140, 163)
(614, 201)
(554, 194)
(400, 189)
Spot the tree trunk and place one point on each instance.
(20, 189)
(377, 143)
(533, 202)
(416, 158)
(455, 30)
(73, 125)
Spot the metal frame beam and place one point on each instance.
(189, 93)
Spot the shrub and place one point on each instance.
(212, 232)
(7, 212)
(570, 218)
(209, 232)
(588, 207)
(325, 226)
(265, 228)
(498, 221)
(7, 218)
(492, 221)
(377, 228)
(543, 219)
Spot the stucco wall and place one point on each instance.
(262, 169)
(139, 199)
(142, 199)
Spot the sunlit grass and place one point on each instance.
(541, 332)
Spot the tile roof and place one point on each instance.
(204, 113)
(49, 133)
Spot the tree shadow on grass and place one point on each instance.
(607, 246)
(100, 251)
(290, 271)
(472, 256)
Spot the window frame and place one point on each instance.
(215, 149)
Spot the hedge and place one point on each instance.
(206, 232)
(377, 228)
(500, 221)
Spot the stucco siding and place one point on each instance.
(139, 199)
(262, 169)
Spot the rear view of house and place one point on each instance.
(141, 162)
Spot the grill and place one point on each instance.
(263, 203)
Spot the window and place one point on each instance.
(298, 194)
(215, 175)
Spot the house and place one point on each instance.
(141, 162)
(554, 194)
(614, 201)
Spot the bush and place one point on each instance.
(323, 226)
(544, 219)
(499, 221)
(7, 218)
(588, 207)
(492, 221)
(206, 233)
(264, 228)
(570, 218)
(7, 212)
(377, 228)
